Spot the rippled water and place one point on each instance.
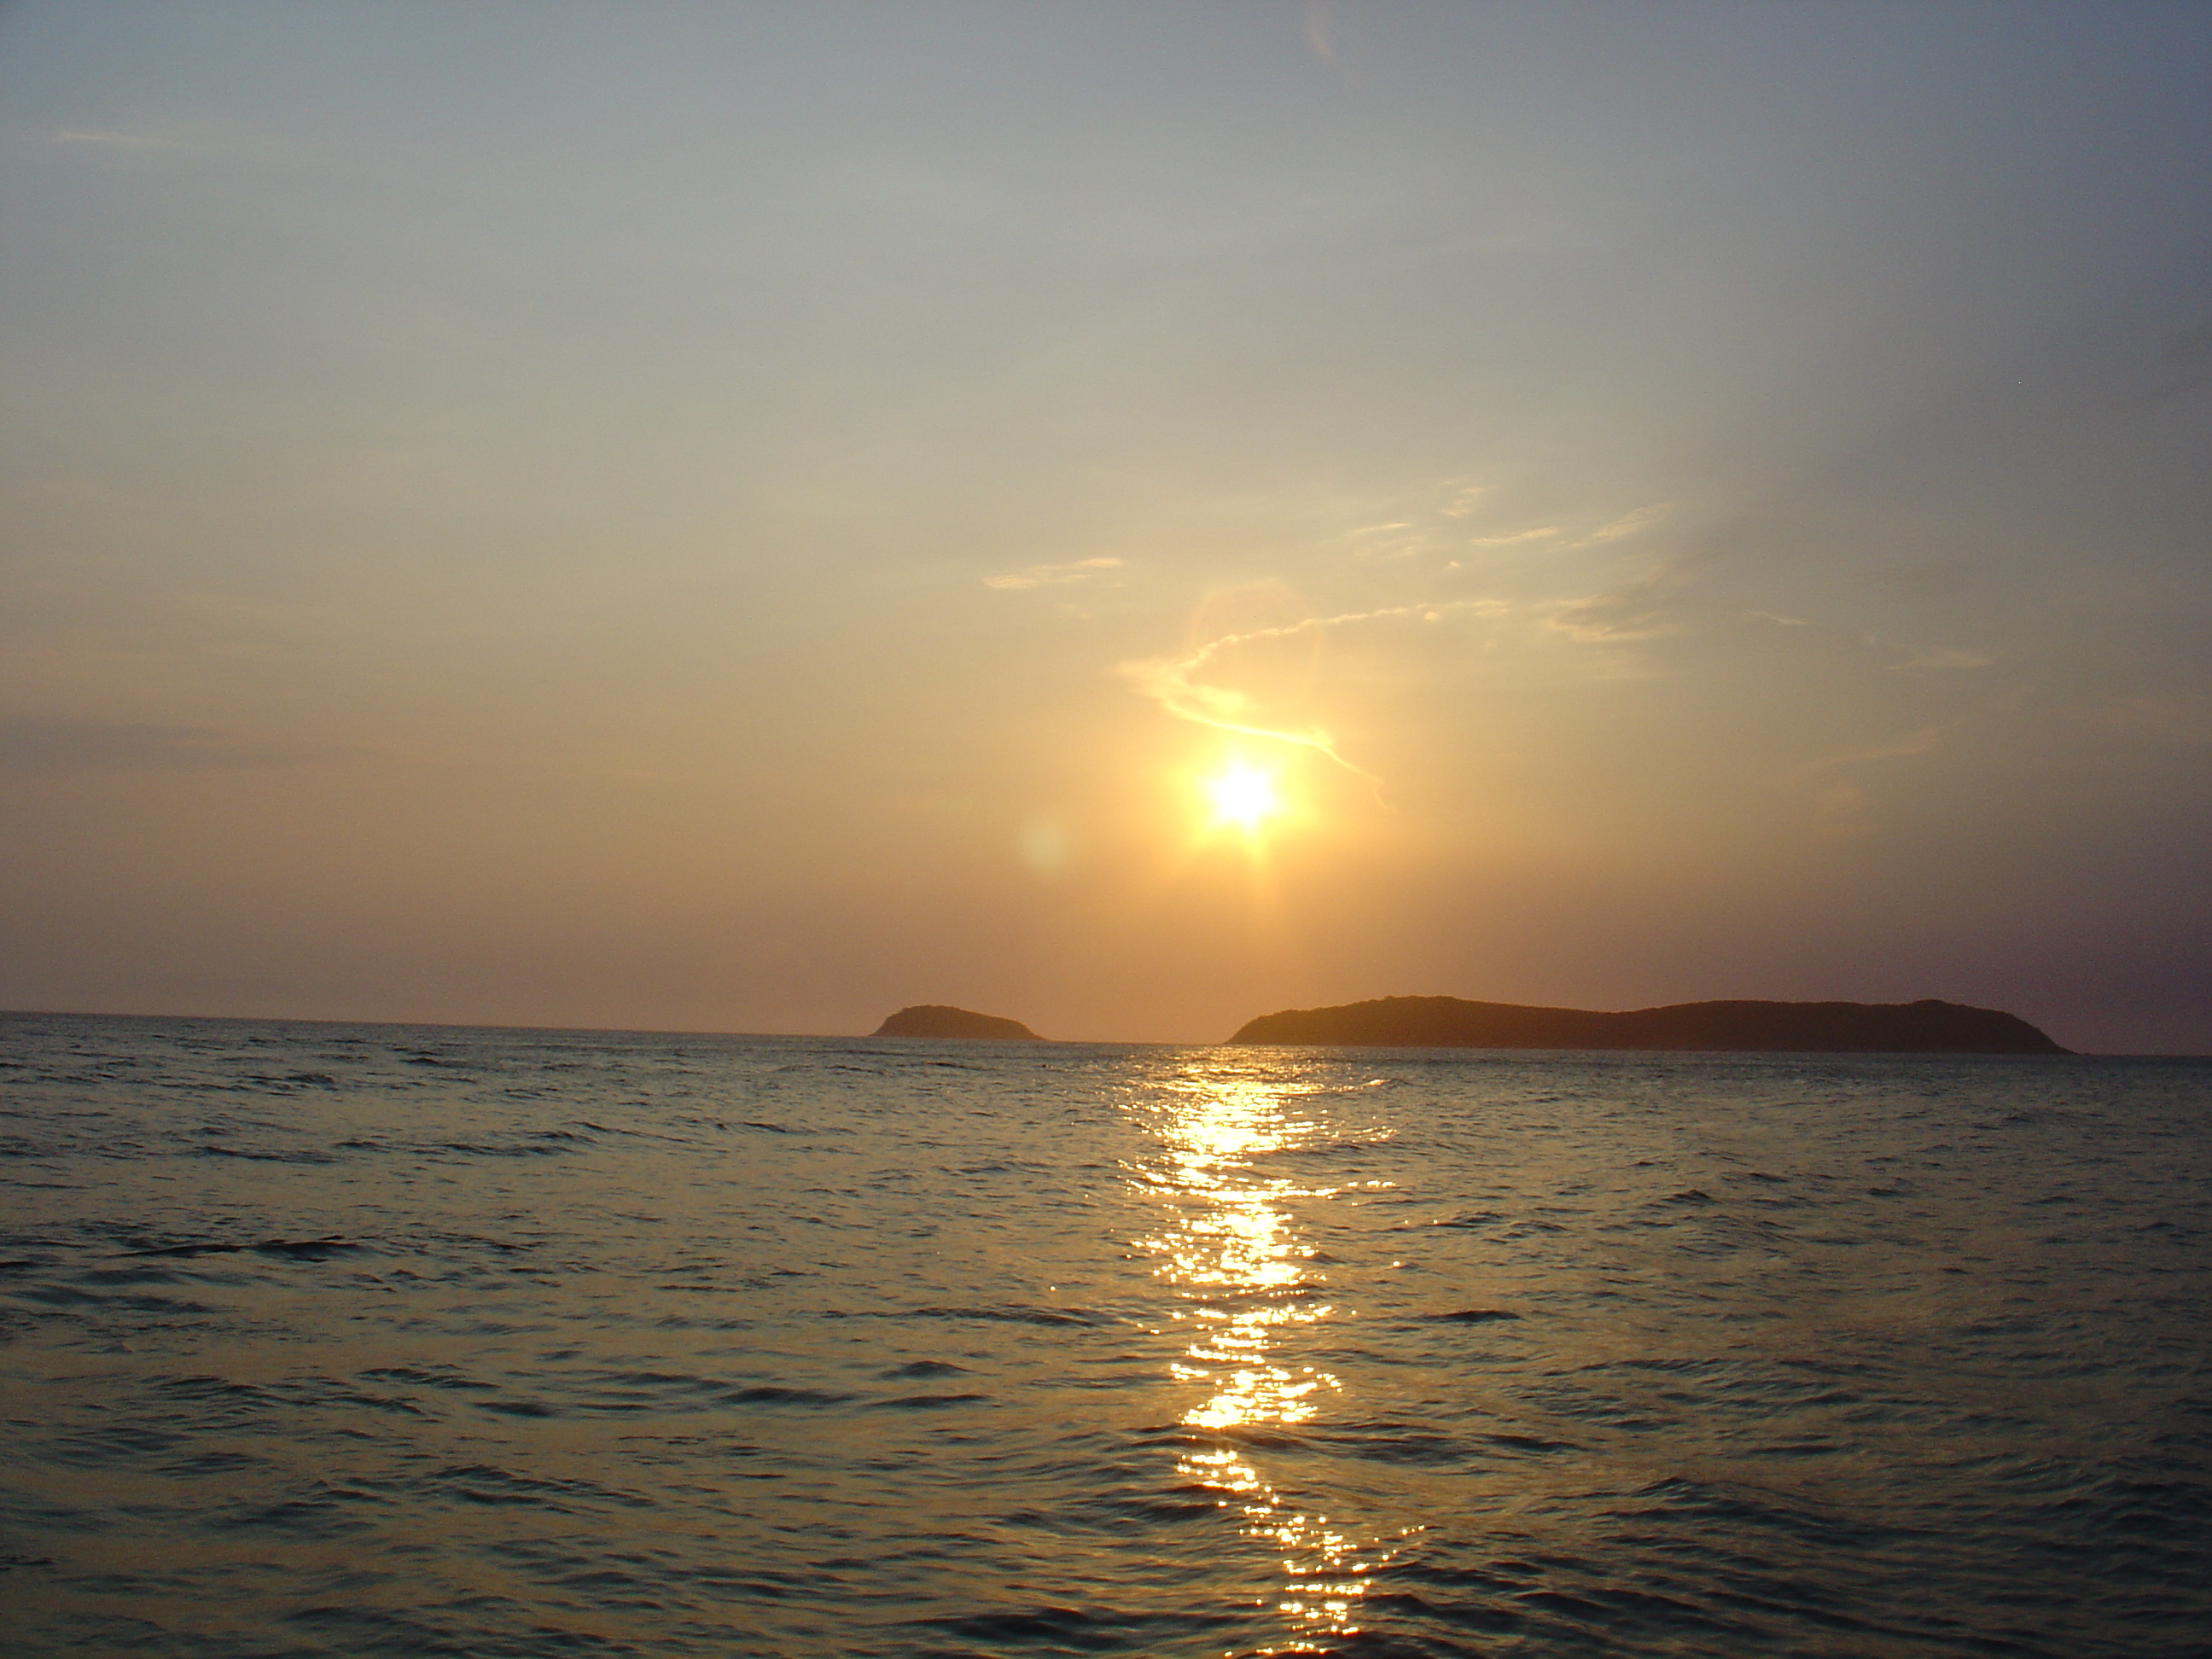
(365, 1339)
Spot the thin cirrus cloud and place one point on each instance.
(1628, 524)
(1190, 687)
(1544, 533)
(1920, 741)
(1054, 575)
(111, 140)
(1642, 609)
(33, 745)
(1946, 657)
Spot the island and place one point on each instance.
(1927, 1027)
(932, 1019)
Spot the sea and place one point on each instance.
(354, 1339)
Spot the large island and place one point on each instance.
(1927, 1027)
(934, 1019)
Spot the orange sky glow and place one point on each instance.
(1128, 517)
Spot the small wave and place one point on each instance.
(1349, 1146)
(772, 1395)
(924, 1367)
(428, 1378)
(299, 1249)
(210, 1150)
(1765, 1511)
(1396, 1442)
(1469, 1317)
(64, 1296)
(1245, 1435)
(1014, 1315)
(488, 1484)
(1063, 1629)
(1469, 1615)
(1199, 1505)
(483, 1149)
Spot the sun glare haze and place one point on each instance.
(1243, 795)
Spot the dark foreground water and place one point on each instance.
(373, 1339)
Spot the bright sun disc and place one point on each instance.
(1244, 796)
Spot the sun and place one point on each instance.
(1242, 795)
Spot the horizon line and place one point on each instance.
(1074, 1042)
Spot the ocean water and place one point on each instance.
(354, 1340)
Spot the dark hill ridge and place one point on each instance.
(1927, 1027)
(934, 1019)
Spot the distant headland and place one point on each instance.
(1927, 1027)
(932, 1019)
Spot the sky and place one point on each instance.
(745, 516)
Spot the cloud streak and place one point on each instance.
(1052, 575)
(1545, 533)
(1628, 524)
(1638, 609)
(1179, 684)
(63, 745)
(1945, 658)
(110, 140)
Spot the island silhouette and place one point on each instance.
(935, 1019)
(1927, 1027)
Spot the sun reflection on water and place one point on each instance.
(1245, 1280)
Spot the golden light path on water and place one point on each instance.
(1246, 1284)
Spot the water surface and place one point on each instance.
(373, 1339)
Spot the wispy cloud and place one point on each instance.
(1945, 658)
(1843, 808)
(112, 141)
(1638, 609)
(1318, 40)
(2183, 718)
(65, 745)
(1900, 747)
(1052, 576)
(1547, 532)
(1181, 686)
(1628, 524)
(2182, 366)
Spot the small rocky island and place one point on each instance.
(932, 1019)
(1927, 1027)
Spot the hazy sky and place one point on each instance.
(738, 516)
